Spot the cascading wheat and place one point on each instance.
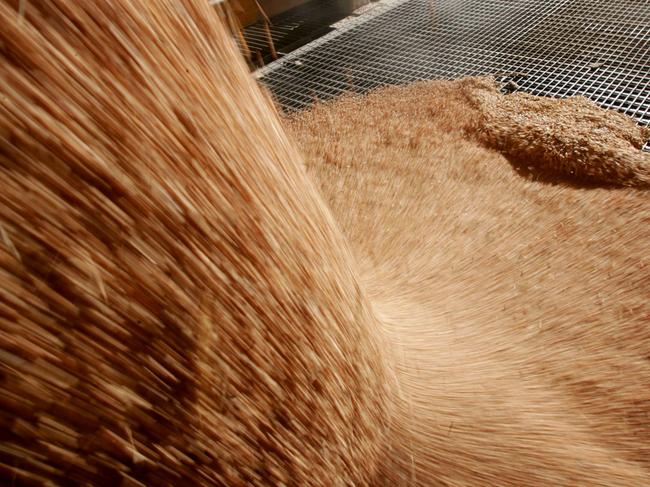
(177, 305)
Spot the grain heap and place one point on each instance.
(517, 306)
(180, 304)
(567, 139)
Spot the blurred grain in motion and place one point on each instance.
(176, 304)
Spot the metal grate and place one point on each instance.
(596, 48)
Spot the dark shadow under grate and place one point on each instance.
(292, 29)
(599, 49)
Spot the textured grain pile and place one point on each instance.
(519, 307)
(570, 139)
(186, 300)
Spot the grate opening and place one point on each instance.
(595, 48)
(292, 29)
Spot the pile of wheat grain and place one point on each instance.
(515, 285)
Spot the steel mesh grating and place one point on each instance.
(599, 49)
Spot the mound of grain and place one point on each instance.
(570, 138)
(518, 310)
